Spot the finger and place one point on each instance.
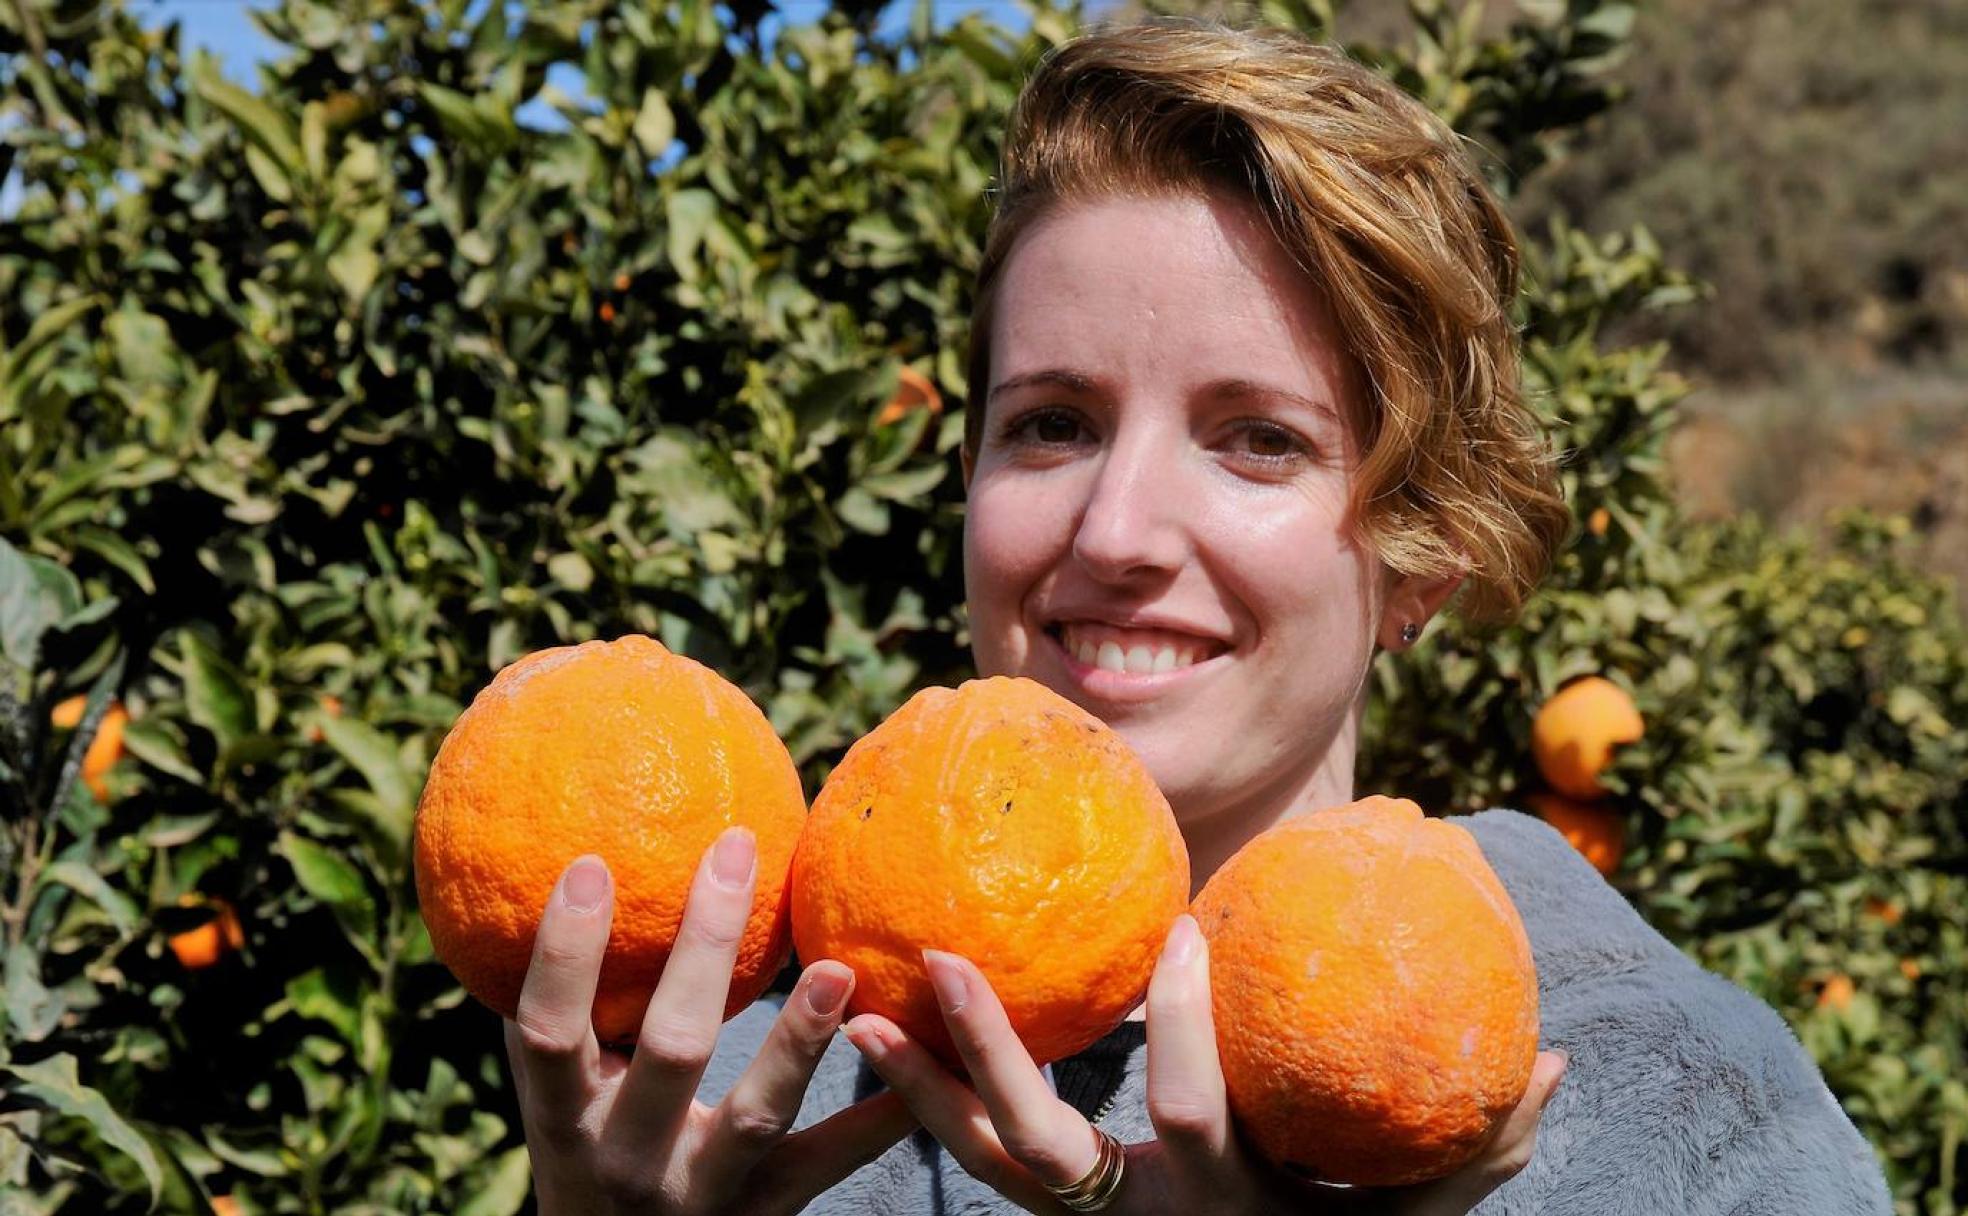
(516, 1058)
(1511, 1150)
(761, 1107)
(947, 1108)
(554, 1025)
(1186, 1099)
(1037, 1130)
(815, 1159)
(680, 1028)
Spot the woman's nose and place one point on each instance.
(1132, 524)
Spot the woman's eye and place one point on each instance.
(1273, 444)
(1047, 426)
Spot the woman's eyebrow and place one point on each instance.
(1058, 377)
(1236, 388)
(1231, 388)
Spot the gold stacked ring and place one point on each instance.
(1097, 1187)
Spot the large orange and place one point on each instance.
(1004, 823)
(1374, 995)
(621, 749)
(1596, 830)
(1576, 731)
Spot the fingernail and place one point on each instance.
(1564, 1066)
(866, 1039)
(584, 884)
(1182, 941)
(947, 977)
(733, 857)
(825, 990)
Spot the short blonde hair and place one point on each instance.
(1372, 194)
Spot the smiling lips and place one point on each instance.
(1133, 651)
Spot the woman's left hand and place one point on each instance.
(1014, 1134)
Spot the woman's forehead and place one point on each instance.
(1189, 286)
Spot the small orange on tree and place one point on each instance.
(330, 706)
(203, 946)
(105, 749)
(68, 714)
(1596, 830)
(1575, 733)
(913, 391)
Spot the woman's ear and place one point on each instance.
(1412, 601)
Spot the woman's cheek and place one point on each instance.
(1004, 556)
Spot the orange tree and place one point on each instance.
(322, 400)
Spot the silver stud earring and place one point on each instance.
(1409, 633)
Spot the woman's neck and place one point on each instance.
(1215, 834)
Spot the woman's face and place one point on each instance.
(1158, 521)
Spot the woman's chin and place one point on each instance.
(1188, 786)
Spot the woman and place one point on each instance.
(1244, 410)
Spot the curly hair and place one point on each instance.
(1373, 196)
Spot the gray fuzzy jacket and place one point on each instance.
(1685, 1095)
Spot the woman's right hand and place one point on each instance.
(618, 1133)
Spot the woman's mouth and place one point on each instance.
(1109, 660)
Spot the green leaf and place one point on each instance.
(157, 745)
(49, 327)
(355, 264)
(974, 38)
(55, 1084)
(144, 350)
(117, 552)
(375, 756)
(571, 571)
(861, 511)
(35, 595)
(123, 911)
(475, 121)
(334, 999)
(259, 122)
(265, 1162)
(32, 1010)
(504, 1190)
(215, 693)
(906, 485)
(322, 873)
(690, 213)
(655, 126)
(336, 882)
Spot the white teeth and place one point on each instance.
(1109, 658)
(1139, 659)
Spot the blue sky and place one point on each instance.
(222, 26)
